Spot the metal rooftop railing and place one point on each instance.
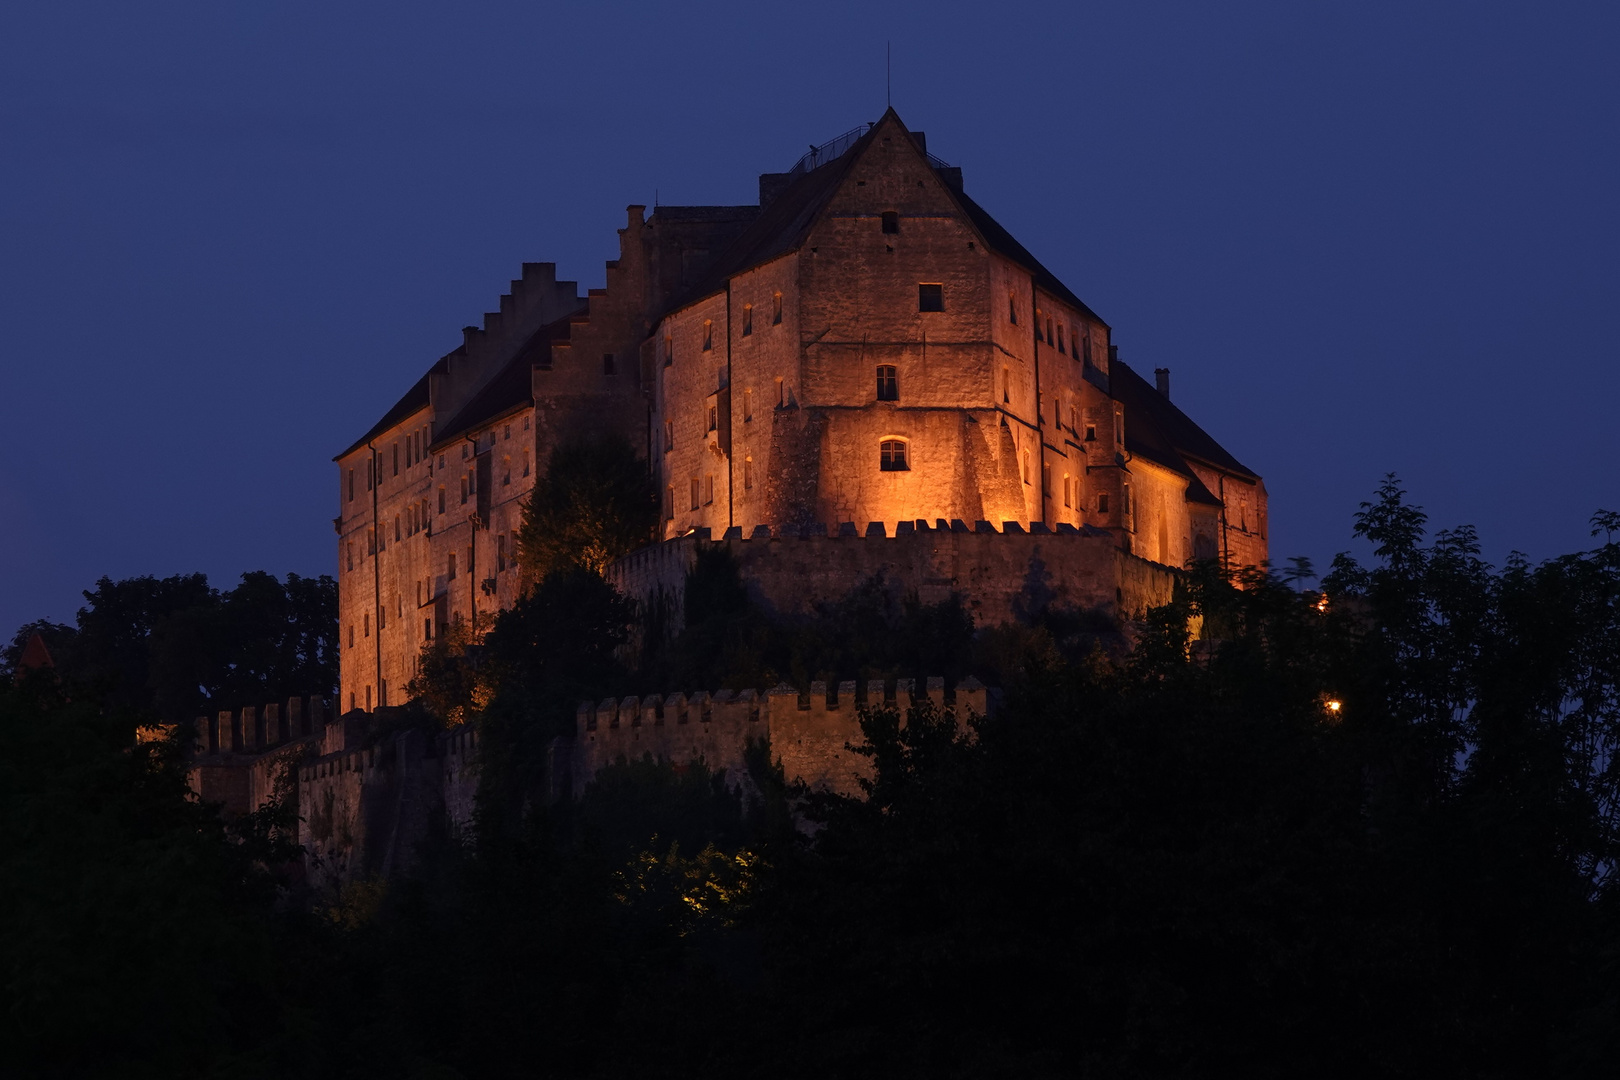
(835, 149)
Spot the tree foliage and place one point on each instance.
(595, 502)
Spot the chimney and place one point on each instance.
(1161, 375)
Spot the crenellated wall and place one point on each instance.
(1002, 576)
(809, 735)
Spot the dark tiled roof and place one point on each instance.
(512, 387)
(785, 222)
(706, 213)
(1157, 430)
(414, 401)
(781, 226)
(1002, 242)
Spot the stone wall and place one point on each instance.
(809, 735)
(1010, 575)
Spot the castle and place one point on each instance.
(863, 373)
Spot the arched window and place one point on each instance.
(888, 383)
(892, 456)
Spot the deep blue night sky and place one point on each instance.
(1364, 238)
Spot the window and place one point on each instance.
(748, 405)
(930, 298)
(1060, 340)
(748, 473)
(525, 423)
(1049, 330)
(450, 567)
(1006, 385)
(669, 435)
(427, 629)
(888, 385)
(776, 309)
(708, 489)
(1125, 505)
(367, 624)
(371, 541)
(1068, 490)
(892, 456)
(891, 221)
(609, 367)
(506, 432)
(669, 503)
(669, 349)
(694, 493)
(1102, 504)
(463, 489)
(351, 485)
(351, 635)
(506, 471)
(1085, 346)
(500, 552)
(396, 529)
(351, 554)
(382, 617)
(371, 473)
(708, 334)
(525, 463)
(441, 498)
(714, 417)
(1038, 325)
(368, 699)
(748, 320)
(465, 452)
(351, 701)
(1091, 433)
(1012, 308)
(396, 459)
(1046, 479)
(1119, 430)
(1024, 469)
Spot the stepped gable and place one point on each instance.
(512, 387)
(1172, 433)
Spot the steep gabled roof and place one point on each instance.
(785, 222)
(1157, 430)
(414, 401)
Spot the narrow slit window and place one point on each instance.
(892, 456)
(930, 297)
(748, 473)
(708, 489)
(748, 405)
(1061, 349)
(748, 320)
(888, 383)
(714, 417)
(1012, 308)
(694, 493)
(708, 334)
(776, 309)
(1006, 385)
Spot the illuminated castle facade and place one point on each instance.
(864, 355)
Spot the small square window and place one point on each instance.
(892, 456)
(888, 384)
(930, 298)
(891, 221)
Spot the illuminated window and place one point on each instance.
(748, 473)
(748, 320)
(892, 456)
(930, 297)
(609, 367)
(708, 334)
(891, 221)
(776, 309)
(888, 384)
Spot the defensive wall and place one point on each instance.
(1007, 575)
(809, 734)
